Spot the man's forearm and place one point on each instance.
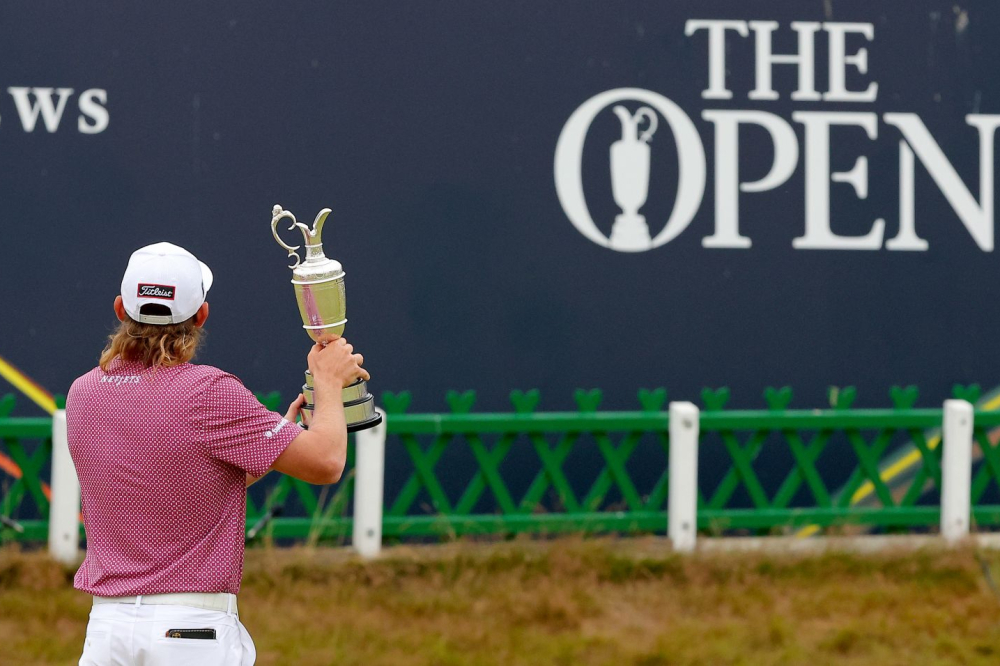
(328, 416)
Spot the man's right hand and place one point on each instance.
(318, 455)
(332, 361)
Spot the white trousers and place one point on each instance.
(136, 635)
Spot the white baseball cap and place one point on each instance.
(167, 275)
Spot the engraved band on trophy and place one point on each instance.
(321, 295)
(630, 178)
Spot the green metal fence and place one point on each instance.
(552, 500)
(26, 444)
(466, 473)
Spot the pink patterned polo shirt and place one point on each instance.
(161, 456)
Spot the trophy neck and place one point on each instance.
(317, 267)
(314, 253)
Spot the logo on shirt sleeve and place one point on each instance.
(166, 292)
(276, 429)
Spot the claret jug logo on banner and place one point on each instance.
(644, 115)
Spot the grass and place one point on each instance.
(565, 602)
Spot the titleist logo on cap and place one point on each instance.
(163, 291)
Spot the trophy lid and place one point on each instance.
(317, 266)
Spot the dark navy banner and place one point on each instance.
(525, 194)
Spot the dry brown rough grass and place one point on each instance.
(565, 602)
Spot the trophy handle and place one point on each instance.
(277, 214)
(650, 116)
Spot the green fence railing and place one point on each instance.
(25, 451)
(893, 475)
(553, 497)
(466, 473)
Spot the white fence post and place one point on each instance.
(682, 501)
(956, 469)
(64, 507)
(369, 476)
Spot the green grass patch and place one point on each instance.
(567, 601)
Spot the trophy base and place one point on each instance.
(630, 233)
(359, 404)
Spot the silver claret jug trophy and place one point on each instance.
(322, 298)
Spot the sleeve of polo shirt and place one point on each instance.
(239, 430)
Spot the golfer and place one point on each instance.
(164, 450)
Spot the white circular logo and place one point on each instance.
(629, 163)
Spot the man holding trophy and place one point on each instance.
(165, 448)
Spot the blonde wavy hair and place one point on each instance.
(151, 344)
